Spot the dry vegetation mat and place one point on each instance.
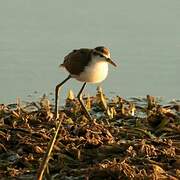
(138, 138)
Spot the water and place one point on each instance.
(144, 38)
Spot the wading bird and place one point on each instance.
(87, 66)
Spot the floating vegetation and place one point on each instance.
(137, 138)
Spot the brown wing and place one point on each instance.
(76, 61)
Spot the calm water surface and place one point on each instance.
(144, 38)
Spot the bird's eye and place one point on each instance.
(101, 55)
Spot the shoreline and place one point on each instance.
(134, 138)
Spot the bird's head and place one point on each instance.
(104, 54)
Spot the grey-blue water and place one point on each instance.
(143, 36)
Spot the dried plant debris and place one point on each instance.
(137, 138)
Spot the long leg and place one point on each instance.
(47, 155)
(57, 94)
(82, 104)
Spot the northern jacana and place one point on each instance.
(88, 66)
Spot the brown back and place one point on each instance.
(77, 60)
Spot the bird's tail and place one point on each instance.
(61, 65)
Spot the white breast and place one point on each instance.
(95, 72)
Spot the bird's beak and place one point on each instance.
(111, 62)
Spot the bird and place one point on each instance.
(87, 66)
